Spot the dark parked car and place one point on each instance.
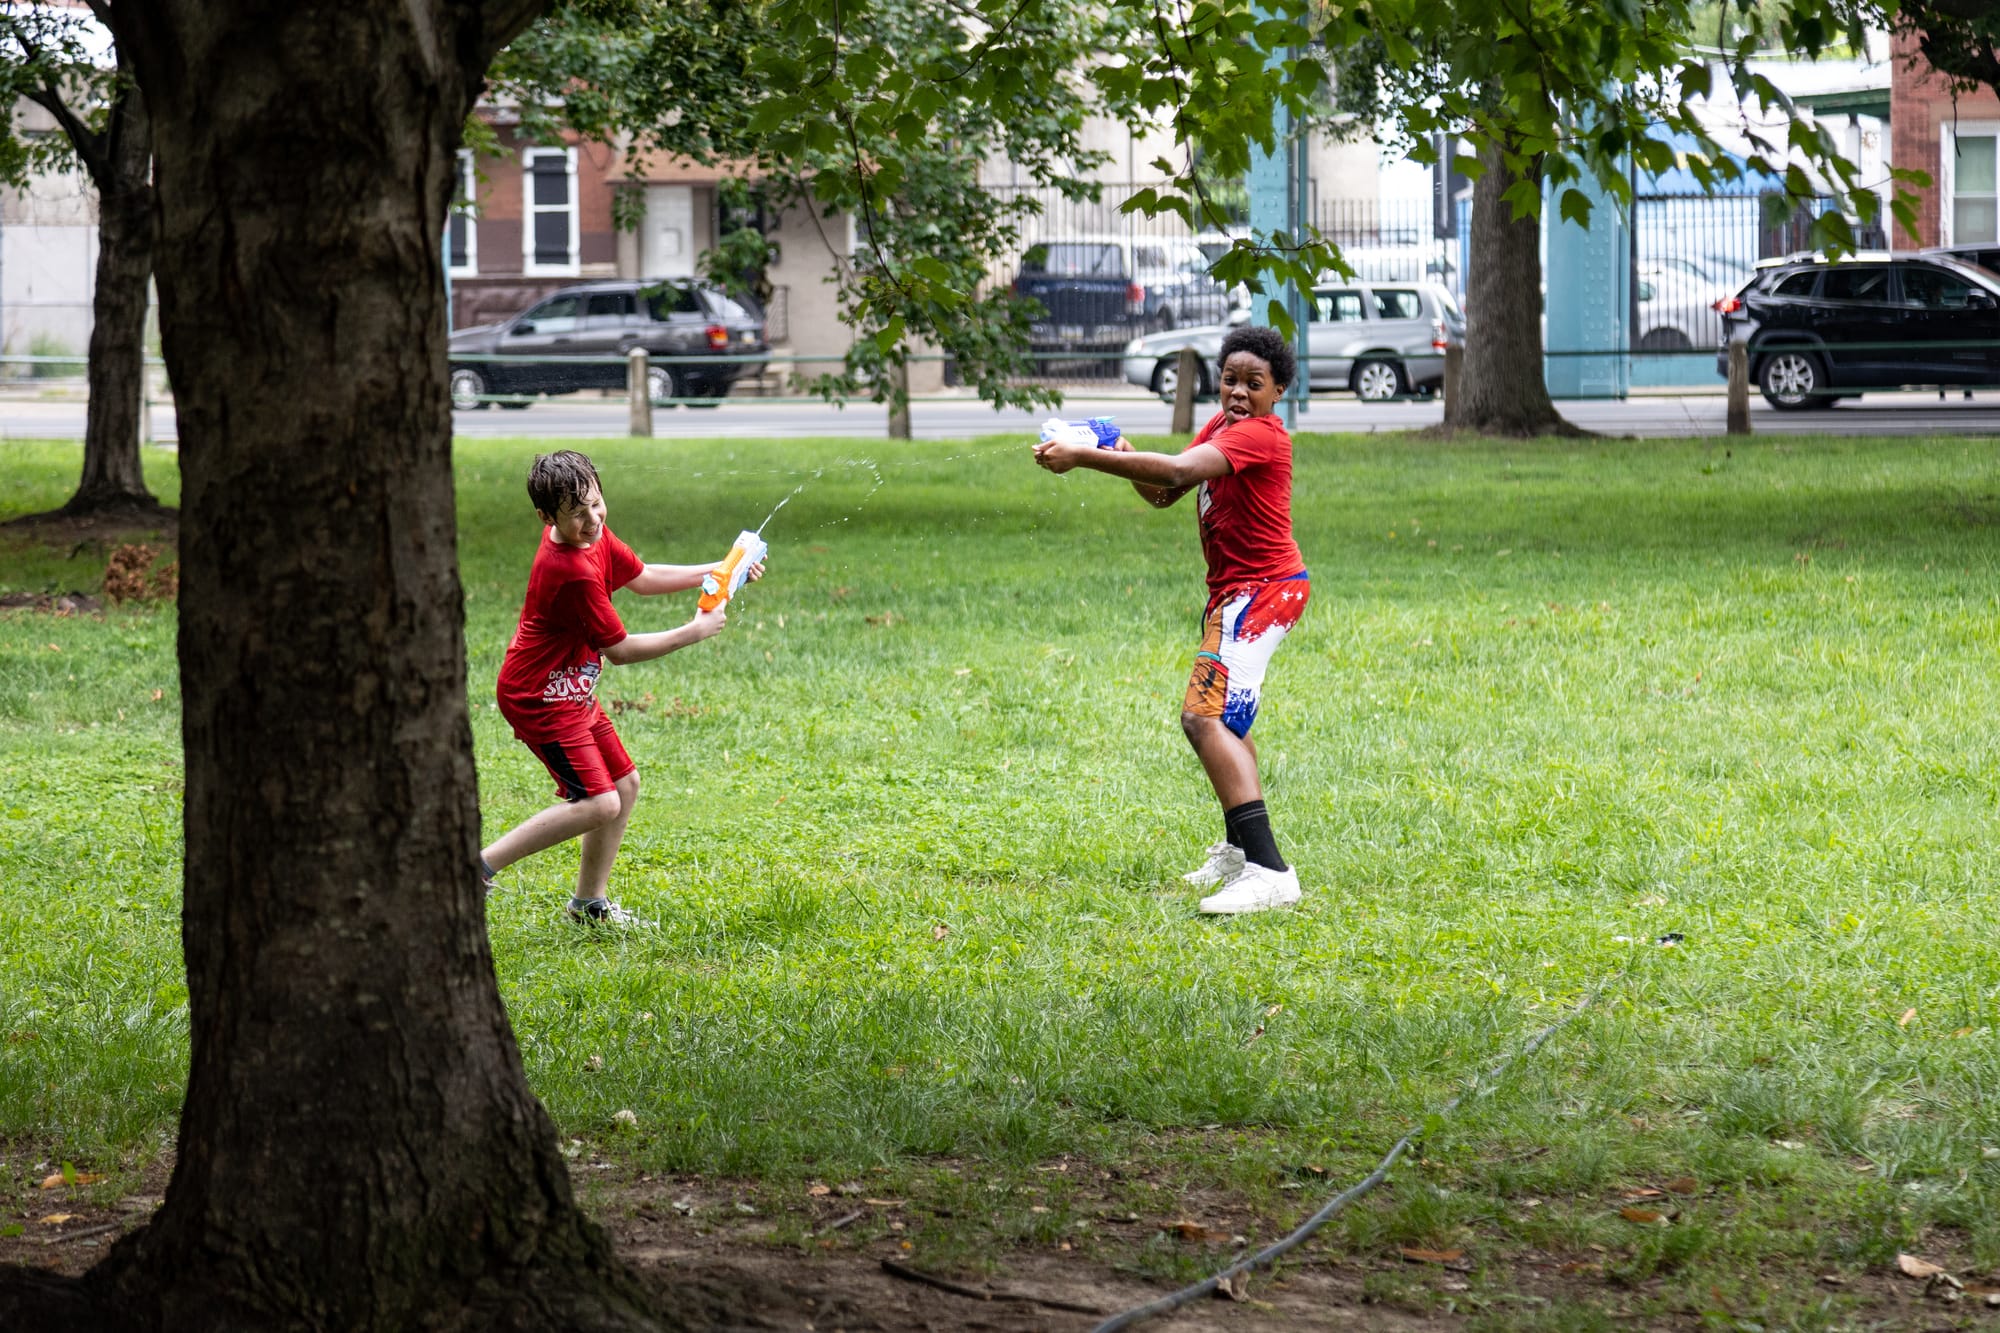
(1098, 292)
(1986, 256)
(1818, 331)
(606, 320)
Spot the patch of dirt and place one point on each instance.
(102, 527)
(53, 603)
(820, 1258)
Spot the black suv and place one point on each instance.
(1820, 330)
(605, 320)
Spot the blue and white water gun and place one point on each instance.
(1098, 432)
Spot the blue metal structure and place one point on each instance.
(1280, 190)
(1589, 300)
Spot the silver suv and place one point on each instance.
(1378, 340)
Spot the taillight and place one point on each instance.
(1135, 299)
(1729, 305)
(718, 337)
(1438, 340)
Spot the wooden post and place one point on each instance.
(1187, 371)
(1739, 388)
(1454, 375)
(899, 401)
(639, 394)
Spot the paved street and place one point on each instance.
(579, 417)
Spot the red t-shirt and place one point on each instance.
(1246, 517)
(550, 673)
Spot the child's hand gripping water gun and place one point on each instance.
(721, 583)
(1098, 432)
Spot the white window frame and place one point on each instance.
(530, 211)
(468, 183)
(1948, 170)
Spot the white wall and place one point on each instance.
(48, 263)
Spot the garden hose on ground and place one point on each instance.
(1174, 1300)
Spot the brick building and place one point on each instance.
(1955, 137)
(545, 219)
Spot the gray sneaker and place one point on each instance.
(1224, 863)
(604, 912)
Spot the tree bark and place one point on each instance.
(113, 477)
(359, 1149)
(1501, 388)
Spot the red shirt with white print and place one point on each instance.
(1246, 516)
(549, 677)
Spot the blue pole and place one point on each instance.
(1276, 202)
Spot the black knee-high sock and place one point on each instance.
(1249, 826)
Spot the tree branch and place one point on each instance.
(89, 145)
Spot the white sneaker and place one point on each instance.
(1224, 863)
(603, 912)
(1256, 889)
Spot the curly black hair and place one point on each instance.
(1267, 345)
(564, 476)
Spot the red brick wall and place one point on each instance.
(1920, 104)
(500, 289)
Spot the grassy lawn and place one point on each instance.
(912, 830)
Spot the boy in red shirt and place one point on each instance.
(549, 678)
(1241, 464)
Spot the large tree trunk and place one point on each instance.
(359, 1148)
(113, 478)
(1501, 388)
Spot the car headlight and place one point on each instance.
(1132, 348)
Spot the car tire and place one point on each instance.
(1378, 381)
(468, 389)
(1167, 376)
(1792, 379)
(661, 384)
(1665, 339)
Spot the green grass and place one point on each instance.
(1551, 701)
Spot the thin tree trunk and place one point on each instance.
(1501, 388)
(359, 1149)
(113, 477)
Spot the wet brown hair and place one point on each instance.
(564, 476)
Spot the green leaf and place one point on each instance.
(1575, 207)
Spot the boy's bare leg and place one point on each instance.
(558, 823)
(1229, 760)
(600, 845)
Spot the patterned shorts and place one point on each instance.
(588, 759)
(1240, 630)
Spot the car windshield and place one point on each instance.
(725, 306)
(1071, 259)
(557, 315)
(670, 298)
(1396, 303)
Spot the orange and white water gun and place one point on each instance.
(720, 584)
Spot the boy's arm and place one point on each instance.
(1168, 476)
(1160, 497)
(645, 647)
(656, 579)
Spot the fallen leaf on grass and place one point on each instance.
(940, 930)
(886, 1203)
(1235, 1288)
(56, 1219)
(1274, 1011)
(1911, 1266)
(1904, 1021)
(1643, 1216)
(73, 1178)
(818, 1191)
(1417, 1256)
(1643, 1192)
(1684, 1185)
(1192, 1231)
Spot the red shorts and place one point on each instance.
(587, 760)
